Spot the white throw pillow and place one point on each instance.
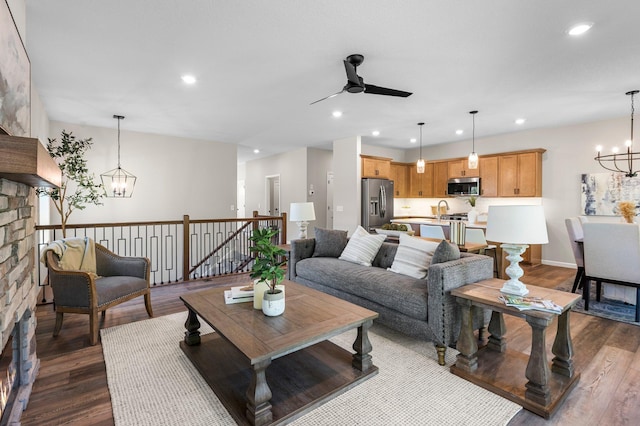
(362, 247)
(413, 256)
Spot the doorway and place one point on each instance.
(273, 195)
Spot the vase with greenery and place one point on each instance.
(268, 267)
(78, 188)
(472, 215)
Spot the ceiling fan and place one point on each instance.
(355, 84)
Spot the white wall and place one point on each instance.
(319, 162)
(570, 153)
(347, 189)
(176, 176)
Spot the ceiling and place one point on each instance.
(260, 64)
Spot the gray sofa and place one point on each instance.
(422, 308)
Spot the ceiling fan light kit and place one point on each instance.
(355, 83)
(473, 157)
(621, 162)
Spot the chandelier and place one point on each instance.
(621, 161)
(118, 183)
(420, 163)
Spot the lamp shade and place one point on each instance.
(517, 225)
(300, 212)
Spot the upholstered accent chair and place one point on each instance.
(612, 256)
(574, 229)
(119, 279)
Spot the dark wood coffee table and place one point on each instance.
(273, 369)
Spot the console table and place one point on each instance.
(494, 367)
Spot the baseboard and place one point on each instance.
(560, 264)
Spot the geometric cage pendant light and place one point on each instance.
(473, 157)
(118, 183)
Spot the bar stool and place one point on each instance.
(475, 235)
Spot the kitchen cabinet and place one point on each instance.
(421, 184)
(520, 175)
(440, 178)
(376, 167)
(400, 177)
(488, 176)
(458, 168)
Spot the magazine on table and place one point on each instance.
(527, 303)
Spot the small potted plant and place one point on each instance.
(267, 267)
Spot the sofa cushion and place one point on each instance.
(413, 256)
(329, 242)
(362, 247)
(394, 291)
(445, 252)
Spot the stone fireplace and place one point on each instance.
(18, 296)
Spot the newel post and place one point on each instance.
(283, 234)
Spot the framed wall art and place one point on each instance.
(601, 193)
(15, 78)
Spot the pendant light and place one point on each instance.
(420, 163)
(610, 162)
(473, 157)
(118, 183)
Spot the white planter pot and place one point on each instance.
(273, 303)
(472, 215)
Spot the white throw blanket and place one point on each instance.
(76, 254)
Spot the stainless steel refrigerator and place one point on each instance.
(377, 203)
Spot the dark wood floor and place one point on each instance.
(72, 385)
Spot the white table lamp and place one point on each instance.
(302, 213)
(516, 227)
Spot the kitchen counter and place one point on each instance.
(431, 220)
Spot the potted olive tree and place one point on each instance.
(78, 187)
(267, 267)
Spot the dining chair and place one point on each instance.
(611, 255)
(574, 229)
(431, 231)
(476, 235)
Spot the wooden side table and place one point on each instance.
(498, 369)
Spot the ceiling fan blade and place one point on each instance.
(377, 90)
(327, 97)
(352, 76)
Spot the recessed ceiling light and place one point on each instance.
(459, 132)
(188, 79)
(375, 133)
(413, 140)
(256, 151)
(580, 29)
(520, 120)
(337, 114)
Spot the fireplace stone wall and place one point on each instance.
(18, 286)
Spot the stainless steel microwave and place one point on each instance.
(463, 186)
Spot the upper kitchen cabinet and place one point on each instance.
(520, 175)
(376, 167)
(421, 184)
(440, 178)
(488, 167)
(400, 177)
(458, 168)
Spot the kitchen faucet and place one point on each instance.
(438, 211)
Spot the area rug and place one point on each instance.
(605, 308)
(153, 383)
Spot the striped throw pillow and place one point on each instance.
(362, 247)
(413, 256)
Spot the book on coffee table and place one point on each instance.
(239, 294)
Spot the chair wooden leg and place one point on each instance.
(94, 327)
(147, 304)
(576, 282)
(586, 289)
(58, 326)
(598, 290)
